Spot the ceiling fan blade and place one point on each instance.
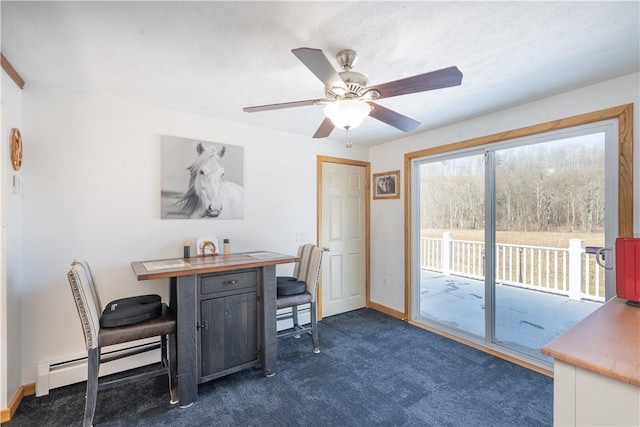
(283, 105)
(325, 129)
(319, 65)
(392, 118)
(438, 79)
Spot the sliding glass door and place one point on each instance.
(451, 271)
(549, 207)
(510, 236)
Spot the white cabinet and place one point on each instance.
(586, 398)
(597, 369)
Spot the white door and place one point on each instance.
(343, 232)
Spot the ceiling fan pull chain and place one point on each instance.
(349, 144)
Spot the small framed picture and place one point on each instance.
(207, 245)
(386, 185)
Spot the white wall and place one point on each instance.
(92, 190)
(387, 217)
(10, 254)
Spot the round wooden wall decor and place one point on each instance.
(16, 149)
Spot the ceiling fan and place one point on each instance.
(349, 98)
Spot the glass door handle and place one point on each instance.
(602, 260)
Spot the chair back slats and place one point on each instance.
(92, 282)
(307, 269)
(87, 300)
(302, 266)
(296, 268)
(313, 271)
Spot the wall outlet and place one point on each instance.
(16, 183)
(299, 236)
(385, 281)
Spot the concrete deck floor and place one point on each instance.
(526, 320)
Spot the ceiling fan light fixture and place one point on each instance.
(348, 113)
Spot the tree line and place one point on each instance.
(552, 186)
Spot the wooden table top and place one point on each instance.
(607, 342)
(165, 268)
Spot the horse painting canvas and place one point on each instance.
(201, 180)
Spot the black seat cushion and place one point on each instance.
(284, 301)
(162, 325)
(291, 287)
(127, 311)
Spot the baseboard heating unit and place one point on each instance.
(71, 370)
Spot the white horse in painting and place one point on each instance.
(209, 194)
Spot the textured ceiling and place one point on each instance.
(213, 58)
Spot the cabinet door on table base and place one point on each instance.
(229, 334)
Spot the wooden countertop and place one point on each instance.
(208, 264)
(607, 342)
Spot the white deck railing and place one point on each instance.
(571, 271)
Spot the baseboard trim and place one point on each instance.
(23, 391)
(386, 310)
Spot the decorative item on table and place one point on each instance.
(207, 245)
(186, 249)
(225, 246)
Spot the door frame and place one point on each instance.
(367, 172)
(622, 113)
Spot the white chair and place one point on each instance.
(301, 289)
(88, 304)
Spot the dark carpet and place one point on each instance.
(373, 370)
